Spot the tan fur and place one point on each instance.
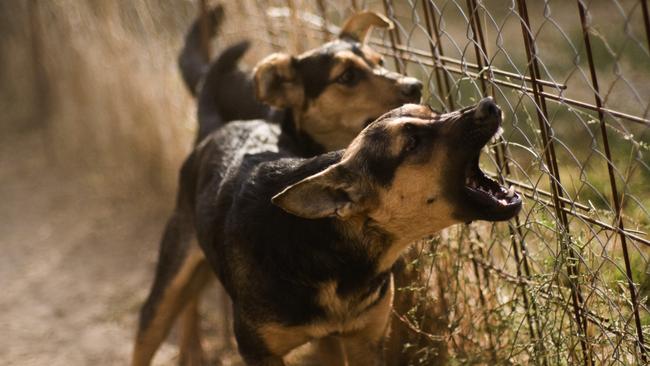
(360, 335)
(342, 308)
(339, 113)
(404, 209)
(191, 350)
(359, 24)
(275, 81)
(184, 288)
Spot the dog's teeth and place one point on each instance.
(468, 181)
(511, 192)
(503, 202)
(498, 134)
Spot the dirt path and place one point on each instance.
(75, 262)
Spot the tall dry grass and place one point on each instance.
(99, 82)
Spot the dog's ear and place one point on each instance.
(358, 25)
(330, 193)
(277, 82)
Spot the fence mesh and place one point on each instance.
(568, 280)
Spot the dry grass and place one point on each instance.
(99, 80)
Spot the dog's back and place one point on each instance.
(224, 91)
(231, 177)
(227, 93)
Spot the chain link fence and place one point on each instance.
(567, 281)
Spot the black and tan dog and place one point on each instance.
(321, 99)
(305, 247)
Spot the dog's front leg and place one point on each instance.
(360, 351)
(254, 351)
(365, 347)
(265, 344)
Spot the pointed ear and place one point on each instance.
(358, 25)
(330, 193)
(276, 82)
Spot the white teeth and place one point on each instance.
(467, 181)
(511, 192)
(498, 134)
(503, 202)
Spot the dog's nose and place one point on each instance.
(411, 88)
(487, 108)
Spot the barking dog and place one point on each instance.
(321, 99)
(305, 247)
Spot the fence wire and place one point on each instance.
(568, 280)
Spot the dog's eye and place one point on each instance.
(381, 62)
(348, 77)
(412, 142)
(412, 138)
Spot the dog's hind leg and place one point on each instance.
(191, 350)
(181, 274)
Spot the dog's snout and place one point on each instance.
(487, 108)
(411, 88)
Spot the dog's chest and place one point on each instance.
(350, 312)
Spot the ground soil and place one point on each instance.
(76, 261)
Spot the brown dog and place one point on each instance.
(321, 99)
(305, 247)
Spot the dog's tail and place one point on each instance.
(227, 92)
(191, 61)
(228, 60)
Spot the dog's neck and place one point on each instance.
(293, 139)
(383, 247)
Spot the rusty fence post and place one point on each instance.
(394, 36)
(437, 52)
(580, 313)
(618, 220)
(501, 155)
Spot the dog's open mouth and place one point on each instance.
(488, 199)
(495, 201)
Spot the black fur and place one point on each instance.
(381, 164)
(228, 95)
(287, 263)
(315, 70)
(270, 262)
(191, 60)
